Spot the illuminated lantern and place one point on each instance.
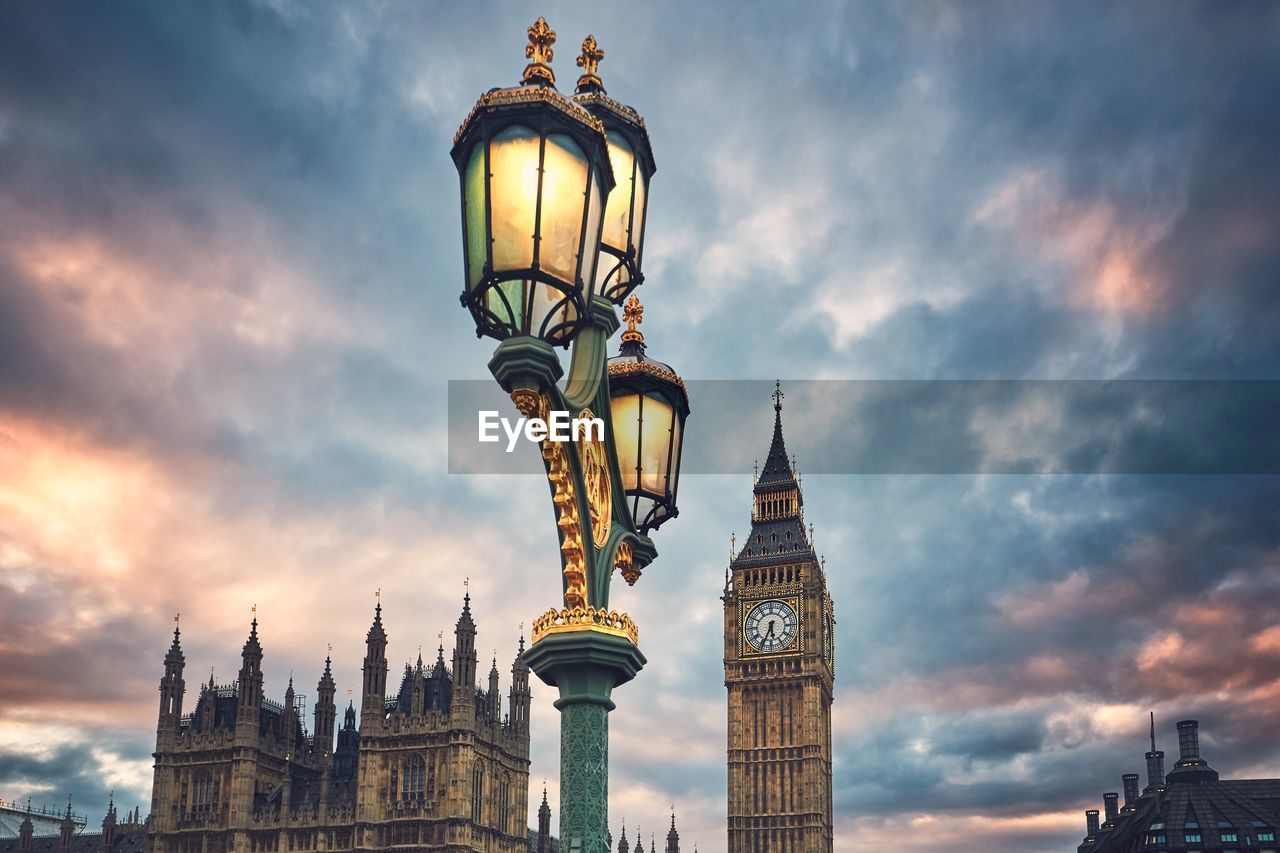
(649, 406)
(535, 174)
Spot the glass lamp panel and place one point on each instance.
(674, 473)
(625, 410)
(549, 309)
(564, 192)
(594, 205)
(477, 234)
(513, 196)
(655, 444)
(637, 225)
(617, 211)
(506, 301)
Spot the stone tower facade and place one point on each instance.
(436, 766)
(779, 668)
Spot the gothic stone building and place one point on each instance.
(779, 668)
(437, 766)
(1190, 810)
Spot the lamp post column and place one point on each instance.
(585, 666)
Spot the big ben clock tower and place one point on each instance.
(779, 667)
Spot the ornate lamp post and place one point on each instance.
(548, 184)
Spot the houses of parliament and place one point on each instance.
(443, 763)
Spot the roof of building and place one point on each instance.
(126, 840)
(1189, 809)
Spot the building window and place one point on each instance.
(414, 779)
(477, 791)
(504, 792)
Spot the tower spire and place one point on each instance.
(777, 472)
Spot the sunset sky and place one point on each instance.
(230, 256)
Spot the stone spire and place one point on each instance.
(544, 824)
(493, 699)
(777, 472)
(109, 825)
(520, 696)
(673, 837)
(172, 688)
(26, 829)
(326, 710)
(464, 652)
(250, 691)
(68, 827)
(374, 691)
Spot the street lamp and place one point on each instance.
(537, 173)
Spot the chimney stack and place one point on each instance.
(1111, 802)
(1190, 767)
(1188, 740)
(1091, 822)
(1130, 781)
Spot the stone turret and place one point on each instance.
(544, 824)
(244, 767)
(518, 706)
(493, 699)
(374, 693)
(67, 830)
(26, 829)
(172, 688)
(464, 665)
(326, 712)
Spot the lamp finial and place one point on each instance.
(589, 61)
(538, 72)
(633, 314)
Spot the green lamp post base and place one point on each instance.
(585, 665)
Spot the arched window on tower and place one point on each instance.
(477, 791)
(504, 806)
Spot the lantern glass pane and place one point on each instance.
(625, 410)
(594, 206)
(617, 212)
(550, 309)
(637, 227)
(477, 235)
(655, 444)
(506, 301)
(564, 191)
(513, 196)
(674, 474)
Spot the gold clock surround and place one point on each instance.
(745, 606)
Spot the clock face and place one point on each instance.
(829, 638)
(771, 626)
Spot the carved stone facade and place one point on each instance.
(779, 668)
(438, 766)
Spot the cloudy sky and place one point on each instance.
(229, 266)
